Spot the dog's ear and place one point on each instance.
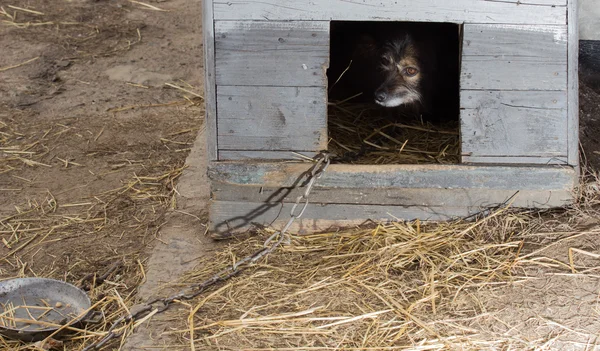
(366, 46)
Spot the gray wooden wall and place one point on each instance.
(270, 59)
(266, 97)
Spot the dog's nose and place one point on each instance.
(380, 96)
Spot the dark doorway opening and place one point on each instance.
(393, 92)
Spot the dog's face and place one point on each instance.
(401, 72)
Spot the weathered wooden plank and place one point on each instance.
(525, 42)
(496, 74)
(514, 57)
(273, 174)
(474, 11)
(272, 53)
(263, 155)
(513, 123)
(561, 160)
(472, 198)
(229, 216)
(573, 85)
(272, 118)
(535, 100)
(210, 98)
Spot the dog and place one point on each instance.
(406, 68)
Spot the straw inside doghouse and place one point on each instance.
(366, 134)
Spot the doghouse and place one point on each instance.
(266, 98)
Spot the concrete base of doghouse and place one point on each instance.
(246, 194)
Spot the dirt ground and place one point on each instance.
(92, 140)
(100, 103)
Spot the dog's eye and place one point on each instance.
(410, 71)
(386, 60)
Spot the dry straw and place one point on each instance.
(130, 214)
(32, 229)
(39, 225)
(384, 286)
(367, 134)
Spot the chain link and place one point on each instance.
(322, 161)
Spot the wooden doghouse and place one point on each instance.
(266, 97)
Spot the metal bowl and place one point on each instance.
(29, 305)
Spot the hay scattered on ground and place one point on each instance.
(97, 241)
(42, 226)
(369, 288)
(84, 36)
(395, 286)
(362, 134)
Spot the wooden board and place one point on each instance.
(514, 124)
(272, 53)
(228, 216)
(474, 11)
(263, 155)
(210, 98)
(508, 160)
(273, 174)
(471, 198)
(525, 42)
(514, 57)
(272, 118)
(573, 85)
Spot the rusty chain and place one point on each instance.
(137, 312)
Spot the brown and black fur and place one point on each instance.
(376, 57)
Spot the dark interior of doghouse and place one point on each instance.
(393, 92)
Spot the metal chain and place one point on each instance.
(137, 312)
